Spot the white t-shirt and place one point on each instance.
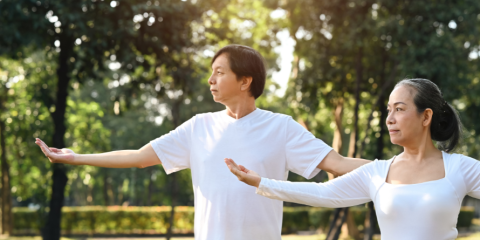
(422, 211)
(268, 143)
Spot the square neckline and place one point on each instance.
(408, 184)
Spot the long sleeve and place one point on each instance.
(348, 190)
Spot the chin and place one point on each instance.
(217, 100)
(396, 141)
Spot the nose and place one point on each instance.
(212, 80)
(390, 119)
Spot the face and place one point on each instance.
(224, 85)
(404, 122)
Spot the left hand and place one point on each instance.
(243, 174)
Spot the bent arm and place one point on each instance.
(339, 165)
(348, 190)
(140, 158)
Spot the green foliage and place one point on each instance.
(154, 220)
(162, 81)
(465, 217)
(110, 220)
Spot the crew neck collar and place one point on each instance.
(244, 118)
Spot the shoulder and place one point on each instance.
(459, 160)
(208, 116)
(273, 116)
(379, 167)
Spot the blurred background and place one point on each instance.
(101, 75)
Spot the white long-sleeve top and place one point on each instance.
(422, 211)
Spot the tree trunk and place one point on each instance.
(150, 187)
(339, 217)
(59, 177)
(6, 205)
(106, 186)
(337, 135)
(352, 150)
(176, 123)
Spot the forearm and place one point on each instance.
(339, 165)
(313, 194)
(347, 165)
(115, 159)
(141, 158)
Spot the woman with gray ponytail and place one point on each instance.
(418, 193)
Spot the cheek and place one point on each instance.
(409, 125)
(227, 85)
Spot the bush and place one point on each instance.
(109, 220)
(465, 217)
(91, 220)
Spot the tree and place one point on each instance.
(359, 48)
(85, 35)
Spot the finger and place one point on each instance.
(44, 144)
(243, 169)
(55, 150)
(231, 163)
(45, 149)
(41, 143)
(233, 167)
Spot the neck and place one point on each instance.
(421, 150)
(241, 109)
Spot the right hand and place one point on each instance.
(55, 155)
(243, 174)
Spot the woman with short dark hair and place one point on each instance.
(417, 194)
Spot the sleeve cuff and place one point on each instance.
(262, 187)
(165, 163)
(312, 170)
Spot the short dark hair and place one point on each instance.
(446, 127)
(246, 62)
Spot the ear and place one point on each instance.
(246, 82)
(427, 117)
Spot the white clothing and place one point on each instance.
(420, 211)
(268, 143)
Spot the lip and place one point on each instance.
(393, 131)
(213, 90)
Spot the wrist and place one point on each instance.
(77, 159)
(258, 180)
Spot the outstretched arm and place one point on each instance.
(143, 157)
(339, 165)
(348, 190)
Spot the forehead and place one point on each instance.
(402, 94)
(221, 62)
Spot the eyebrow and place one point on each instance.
(397, 103)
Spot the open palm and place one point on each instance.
(55, 155)
(243, 174)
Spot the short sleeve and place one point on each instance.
(471, 175)
(303, 150)
(173, 148)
